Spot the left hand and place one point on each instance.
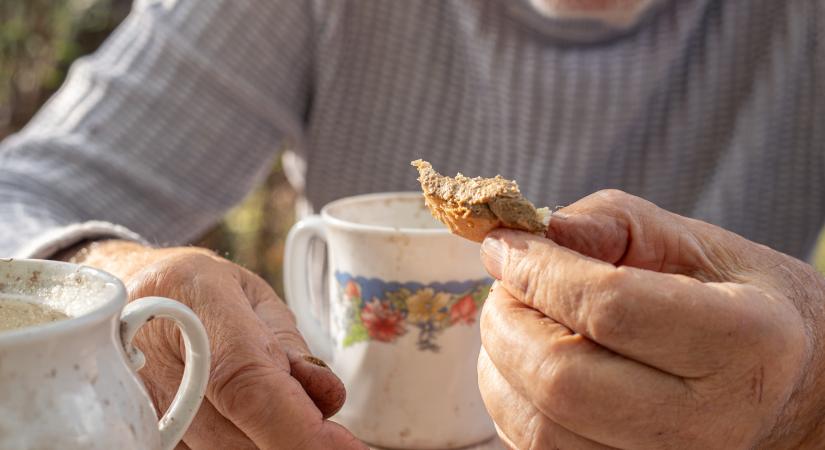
(632, 327)
(265, 390)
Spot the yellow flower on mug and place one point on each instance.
(425, 306)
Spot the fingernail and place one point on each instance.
(494, 251)
(317, 361)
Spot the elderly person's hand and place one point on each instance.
(265, 389)
(635, 328)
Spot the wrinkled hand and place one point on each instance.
(632, 327)
(265, 390)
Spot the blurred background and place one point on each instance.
(39, 39)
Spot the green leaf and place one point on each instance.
(398, 299)
(480, 294)
(355, 334)
(357, 303)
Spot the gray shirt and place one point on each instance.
(708, 108)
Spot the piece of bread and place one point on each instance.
(472, 207)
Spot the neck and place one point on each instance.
(613, 12)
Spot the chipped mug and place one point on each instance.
(398, 322)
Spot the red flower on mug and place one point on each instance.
(463, 311)
(381, 321)
(352, 290)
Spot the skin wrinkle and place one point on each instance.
(553, 378)
(209, 418)
(759, 383)
(505, 439)
(534, 427)
(228, 378)
(687, 244)
(607, 317)
(307, 438)
(539, 365)
(547, 369)
(790, 410)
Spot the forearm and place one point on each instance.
(38, 226)
(160, 131)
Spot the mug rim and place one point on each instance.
(354, 226)
(109, 306)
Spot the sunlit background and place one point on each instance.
(39, 39)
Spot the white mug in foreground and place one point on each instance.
(71, 384)
(400, 322)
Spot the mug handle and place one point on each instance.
(297, 277)
(187, 400)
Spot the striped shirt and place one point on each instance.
(706, 107)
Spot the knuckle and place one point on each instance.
(559, 395)
(183, 268)
(532, 276)
(175, 276)
(776, 330)
(607, 309)
(487, 317)
(615, 279)
(614, 196)
(492, 323)
(621, 202)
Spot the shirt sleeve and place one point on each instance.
(170, 123)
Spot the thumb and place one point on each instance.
(622, 229)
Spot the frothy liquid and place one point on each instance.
(18, 314)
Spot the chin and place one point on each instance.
(620, 13)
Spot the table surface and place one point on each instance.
(492, 444)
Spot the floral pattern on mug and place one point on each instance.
(383, 311)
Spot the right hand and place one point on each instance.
(265, 389)
(638, 328)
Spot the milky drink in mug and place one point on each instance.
(16, 312)
(399, 323)
(67, 365)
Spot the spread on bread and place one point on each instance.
(472, 207)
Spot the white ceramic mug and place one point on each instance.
(400, 322)
(71, 384)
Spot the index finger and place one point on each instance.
(251, 385)
(581, 386)
(672, 322)
(324, 388)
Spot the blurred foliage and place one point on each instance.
(39, 39)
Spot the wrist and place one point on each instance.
(77, 253)
(111, 255)
(86, 251)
